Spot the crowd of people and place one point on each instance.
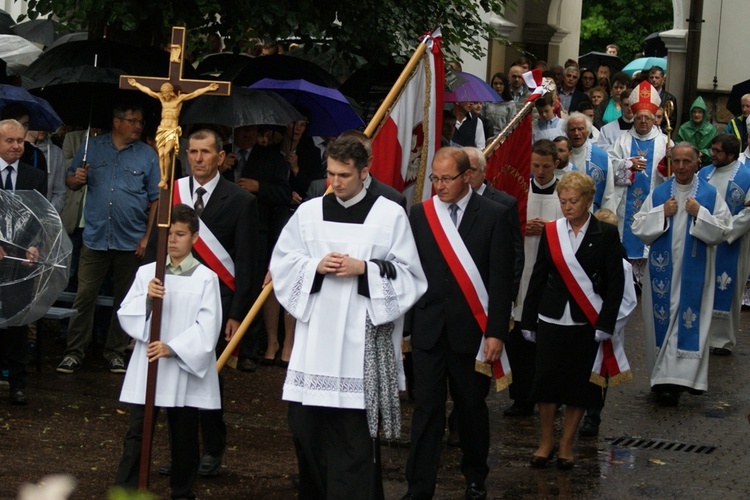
(615, 208)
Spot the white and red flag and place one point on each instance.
(404, 146)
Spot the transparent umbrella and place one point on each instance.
(36, 257)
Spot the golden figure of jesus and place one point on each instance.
(169, 131)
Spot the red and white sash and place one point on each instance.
(208, 246)
(610, 358)
(469, 279)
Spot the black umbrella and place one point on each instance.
(215, 64)
(80, 77)
(370, 84)
(76, 36)
(6, 21)
(85, 95)
(41, 31)
(243, 107)
(593, 60)
(655, 46)
(339, 64)
(733, 104)
(278, 67)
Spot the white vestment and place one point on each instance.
(327, 363)
(191, 321)
(620, 155)
(545, 207)
(724, 330)
(609, 134)
(665, 365)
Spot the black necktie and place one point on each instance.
(8, 178)
(199, 202)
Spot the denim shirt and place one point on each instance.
(120, 185)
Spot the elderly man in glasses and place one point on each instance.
(460, 324)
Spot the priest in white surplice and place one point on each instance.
(681, 220)
(346, 267)
(732, 180)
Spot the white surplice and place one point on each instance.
(191, 321)
(545, 207)
(723, 331)
(327, 363)
(665, 366)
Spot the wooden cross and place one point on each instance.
(176, 59)
(167, 142)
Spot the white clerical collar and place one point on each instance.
(354, 199)
(549, 184)
(480, 189)
(368, 181)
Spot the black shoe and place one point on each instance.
(19, 398)
(518, 409)
(475, 491)
(721, 351)
(565, 463)
(209, 465)
(247, 365)
(165, 470)
(538, 462)
(668, 398)
(588, 430)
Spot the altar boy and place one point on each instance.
(187, 378)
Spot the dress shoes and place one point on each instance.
(519, 409)
(165, 470)
(209, 465)
(538, 462)
(721, 351)
(588, 430)
(247, 365)
(19, 398)
(475, 491)
(267, 361)
(565, 463)
(668, 398)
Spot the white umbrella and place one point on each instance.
(18, 53)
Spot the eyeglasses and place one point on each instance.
(642, 118)
(133, 121)
(445, 180)
(715, 150)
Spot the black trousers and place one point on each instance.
(522, 358)
(434, 371)
(337, 458)
(14, 349)
(183, 442)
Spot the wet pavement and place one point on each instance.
(696, 450)
(75, 424)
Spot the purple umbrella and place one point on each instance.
(473, 88)
(330, 113)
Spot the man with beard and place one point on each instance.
(732, 182)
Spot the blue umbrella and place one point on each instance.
(41, 114)
(645, 63)
(472, 88)
(330, 112)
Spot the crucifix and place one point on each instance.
(171, 92)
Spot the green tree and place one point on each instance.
(623, 22)
(374, 29)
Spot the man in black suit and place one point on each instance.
(570, 96)
(16, 176)
(445, 334)
(231, 215)
(265, 174)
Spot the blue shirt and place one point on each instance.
(120, 185)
